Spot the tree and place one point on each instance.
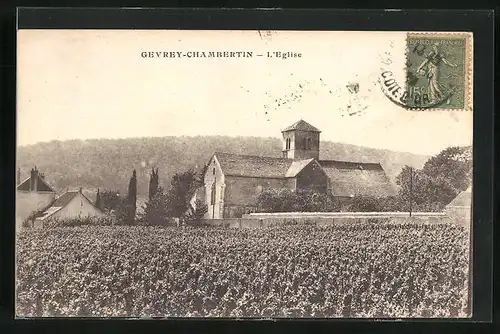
(182, 187)
(110, 200)
(122, 212)
(453, 164)
(132, 199)
(153, 183)
(98, 200)
(441, 179)
(155, 210)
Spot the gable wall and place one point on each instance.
(214, 211)
(312, 176)
(77, 207)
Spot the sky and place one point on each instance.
(82, 84)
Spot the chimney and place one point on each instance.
(35, 181)
(32, 179)
(18, 176)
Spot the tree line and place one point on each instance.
(162, 205)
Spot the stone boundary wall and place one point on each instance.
(343, 215)
(337, 218)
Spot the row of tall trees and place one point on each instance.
(161, 205)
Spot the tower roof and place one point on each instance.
(302, 126)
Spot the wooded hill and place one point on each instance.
(108, 163)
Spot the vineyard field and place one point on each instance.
(363, 270)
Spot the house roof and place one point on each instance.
(253, 166)
(302, 126)
(355, 178)
(61, 202)
(42, 185)
(64, 199)
(464, 199)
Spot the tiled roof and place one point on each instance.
(64, 199)
(253, 166)
(354, 179)
(296, 167)
(61, 202)
(49, 212)
(42, 185)
(301, 125)
(58, 204)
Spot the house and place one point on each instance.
(69, 205)
(32, 194)
(233, 182)
(461, 206)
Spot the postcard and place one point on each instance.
(244, 174)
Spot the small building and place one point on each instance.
(71, 204)
(461, 206)
(32, 195)
(233, 182)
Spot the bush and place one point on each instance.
(79, 221)
(300, 200)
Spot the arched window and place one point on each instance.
(212, 195)
(309, 143)
(304, 143)
(288, 143)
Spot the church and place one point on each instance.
(233, 182)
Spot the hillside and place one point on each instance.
(108, 163)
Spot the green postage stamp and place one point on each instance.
(438, 72)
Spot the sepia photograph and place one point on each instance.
(244, 174)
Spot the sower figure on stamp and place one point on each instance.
(432, 62)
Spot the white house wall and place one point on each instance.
(29, 201)
(77, 207)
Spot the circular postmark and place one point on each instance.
(411, 96)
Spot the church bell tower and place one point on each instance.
(301, 141)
